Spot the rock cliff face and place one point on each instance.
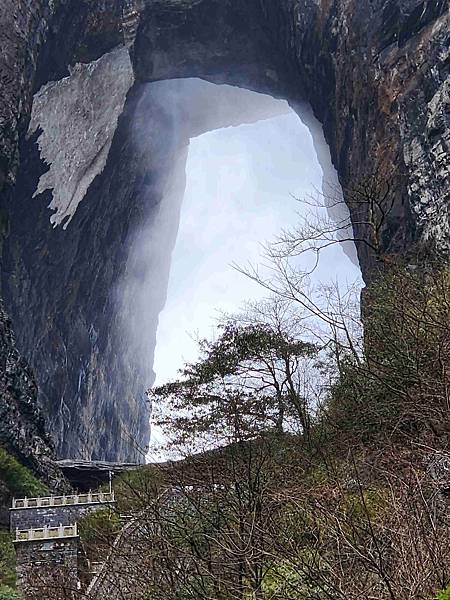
(22, 427)
(376, 74)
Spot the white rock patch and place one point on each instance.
(78, 117)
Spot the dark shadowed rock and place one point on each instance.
(22, 427)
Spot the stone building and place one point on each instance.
(50, 559)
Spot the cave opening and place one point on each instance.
(108, 253)
(235, 186)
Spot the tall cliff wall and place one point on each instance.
(22, 427)
(376, 74)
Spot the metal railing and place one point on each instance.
(51, 501)
(95, 567)
(46, 533)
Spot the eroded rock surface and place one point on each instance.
(22, 426)
(78, 118)
(376, 74)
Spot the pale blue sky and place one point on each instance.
(240, 183)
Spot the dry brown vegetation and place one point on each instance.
(316, 460)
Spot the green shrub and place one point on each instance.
(282, 581)
(399, 385)
(133, 489)
(98, 529)
(18, 479)
(7, 593)
(444, 594)
(7, 561)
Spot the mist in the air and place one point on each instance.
(230, 189)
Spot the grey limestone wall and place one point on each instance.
(48, 569)
(52, 516)
(55, 568)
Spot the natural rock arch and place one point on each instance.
(375, 73)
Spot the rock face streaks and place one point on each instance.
(376, 74)
(22, 427)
